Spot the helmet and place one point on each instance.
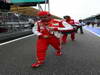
(43, 13)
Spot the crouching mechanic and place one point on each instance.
(48, 31)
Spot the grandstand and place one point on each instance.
(14, 23)
(93, 19)
(17, 18)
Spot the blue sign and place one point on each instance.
(24, 1)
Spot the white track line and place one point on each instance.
(15, 40)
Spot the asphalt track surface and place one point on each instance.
(80, 57)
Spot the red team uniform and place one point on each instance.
(71, 31)
(51, 30)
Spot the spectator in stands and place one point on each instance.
(31, 22)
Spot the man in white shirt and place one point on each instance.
(80, 26)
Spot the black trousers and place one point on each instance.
(81, 29)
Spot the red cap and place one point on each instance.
(43, 13)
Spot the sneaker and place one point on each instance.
(37, 64)
(58, 53)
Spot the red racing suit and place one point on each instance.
(51, 30)
(64, 37)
